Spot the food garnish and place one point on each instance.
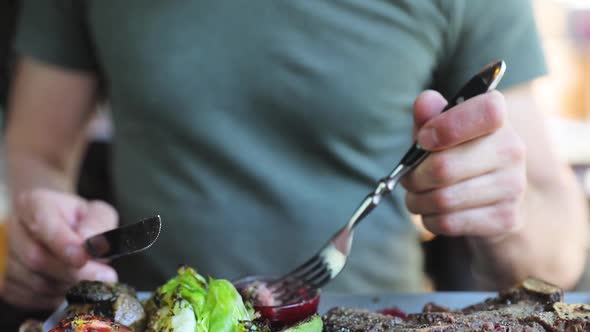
(190, 303)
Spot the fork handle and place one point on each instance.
(479, 84)
(484, 81)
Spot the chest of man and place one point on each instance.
(339, 67)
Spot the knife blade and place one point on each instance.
(124, 240)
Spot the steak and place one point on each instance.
(533, 305)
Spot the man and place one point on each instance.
(255, 129)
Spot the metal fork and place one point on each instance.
(331, 259)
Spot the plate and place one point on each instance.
(406, 302)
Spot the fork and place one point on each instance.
(329, 261)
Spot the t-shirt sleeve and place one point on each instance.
(55, 32)
(482, 31)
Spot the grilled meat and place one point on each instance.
(531, 306)
(358, 320)
(87, 291)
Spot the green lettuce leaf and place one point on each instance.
(224, 309)
(188, 284)
(216, 305)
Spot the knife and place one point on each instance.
(124, 240)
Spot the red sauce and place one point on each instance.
(282, 314)
(289, 314)
(394, 311)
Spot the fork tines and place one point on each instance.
(300, 282)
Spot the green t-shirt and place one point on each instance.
(254, 128)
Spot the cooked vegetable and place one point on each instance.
(188, 303)
(128, 311)
(176, 316)
(114, 301)
(311, 324)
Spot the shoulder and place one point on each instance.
(55, 32)
(481, 9)
(481, 31)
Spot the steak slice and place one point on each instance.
(531, 306)
(357, 320)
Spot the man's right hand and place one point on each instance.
(46, 254)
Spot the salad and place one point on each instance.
(188, 302)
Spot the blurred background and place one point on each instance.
(563, 95)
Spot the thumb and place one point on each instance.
(97, 217)
(428, 105)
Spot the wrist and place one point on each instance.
(497, 262)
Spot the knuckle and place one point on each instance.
(34, 258)
(38, 194)
(514, 183)
(40, 285)
(410, 203)
(34, 224)
(440, 168)
(446, 225)
(519, 184)
(514, 150)
(408, 181)
(23, 199)
(507, 216)
(429, 223)
(494, 110)
(38, 214)
(449, 132)
(442, 200)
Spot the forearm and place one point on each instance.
(552, 243)
(27, 170)
(49, 110)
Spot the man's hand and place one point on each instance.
(475, 178)
(46, 255)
